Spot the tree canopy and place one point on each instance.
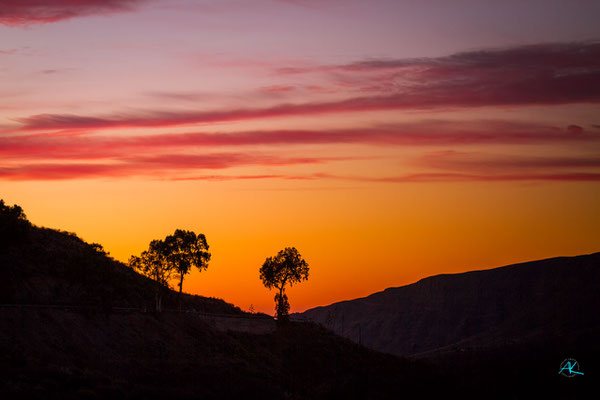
(184, 250)
(175, 255)
(13, 223)
(286, 268)
(153, 263)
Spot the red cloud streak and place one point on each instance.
(87, 171)
(27, 12)
(171, 166)
(528, 75)
(427, 133)
(454, 177)
(503, 164)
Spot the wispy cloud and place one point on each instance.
(180, 156)
(241, 177)
(23, 50)
(548, 57)
(27, 12)
(478, 166)
(457, 177)
(530, 75)
(536, 74)
(163, 166)
(218, 161)
(424, 133)
(491, 163)
(278, 88)
(9, 51)
(483, 162)
(453, 166)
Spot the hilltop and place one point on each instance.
(47, 266)
(78, 324)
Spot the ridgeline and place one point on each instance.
(78, 324)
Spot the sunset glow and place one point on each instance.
(387, 141)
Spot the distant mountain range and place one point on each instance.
(552, 299)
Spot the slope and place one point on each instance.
(74, 326)
(553, 298)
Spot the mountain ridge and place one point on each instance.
(447, 308)
(446, 274)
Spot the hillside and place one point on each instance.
(553, 301)
(78, 324)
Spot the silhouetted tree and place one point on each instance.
(13, 223)
(287, 267)
(153, 264)
(184, 250)
(99, 249)
(177, 253)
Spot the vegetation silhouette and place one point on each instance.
(57, 342)
(287, 267)
(152, 263)
(176, 254)
(185, 250)
(74, 325)
(13, 223)
(42, 266)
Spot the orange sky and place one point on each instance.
(416, 143)
(357, 238)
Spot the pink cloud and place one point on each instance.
(278, 88)
(27, 12)
(529, 75)
(455, 166)
(468, 166)
(243, 177)
(176, 156)
(164, 166)
(425, 133)
(217, 161)
(575, 129)
(9, 51)
(23, 50)
(456, 177)
(536, 58)
(493, 163)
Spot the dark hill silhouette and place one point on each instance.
(73, 326)
(47, 266)
(101, 344)
(532, 302)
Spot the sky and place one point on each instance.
(386, 140)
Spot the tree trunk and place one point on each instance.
(180, 291)
(157, 294)
(157, 298)
(280, 303)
